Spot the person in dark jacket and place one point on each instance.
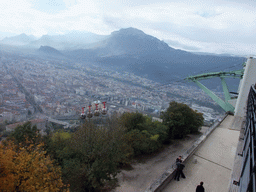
(179, 159)
(200, 187)
(179, 169)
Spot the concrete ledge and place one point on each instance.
(238, 161)
(168, 175)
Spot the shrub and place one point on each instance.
(181, 120)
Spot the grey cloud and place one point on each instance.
(116, 22)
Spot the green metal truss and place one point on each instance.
(222, 75)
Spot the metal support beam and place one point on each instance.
(233, 74)
(225, 89)
(223, 104)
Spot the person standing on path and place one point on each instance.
(200, 187)
(179, 169)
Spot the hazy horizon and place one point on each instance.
(204, 26)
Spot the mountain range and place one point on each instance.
(129, 50)
(18, 40)
(72, 40)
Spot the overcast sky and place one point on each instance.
(218, 26)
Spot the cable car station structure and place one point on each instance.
(235, 104)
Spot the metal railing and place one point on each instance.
(247, 181)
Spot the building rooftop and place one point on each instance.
(14, 125)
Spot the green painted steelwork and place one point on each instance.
(234, 74)
(225, 89)
(223, 104)
(222, 75)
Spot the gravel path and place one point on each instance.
(145, 171)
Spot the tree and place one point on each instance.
(143, 135)
(89, 157)
(133, 121)
(156, 128)
(56, 145)
(25, 132)
(181, 120)
(97, 150)
(27, 168)
(142, 142)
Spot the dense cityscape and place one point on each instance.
(60, 88)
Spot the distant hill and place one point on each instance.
(130, 42)
(133, 42)
(134, 51)
(18, 40)
(6, 34)
(72, 40)
(46, 40)
(130, 50)
(47, 50)
(80, 37)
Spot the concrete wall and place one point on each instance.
(248, 80)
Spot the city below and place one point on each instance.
(35, 87)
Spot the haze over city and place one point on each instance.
(200, 26)
(107, 50)
(123, 95)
